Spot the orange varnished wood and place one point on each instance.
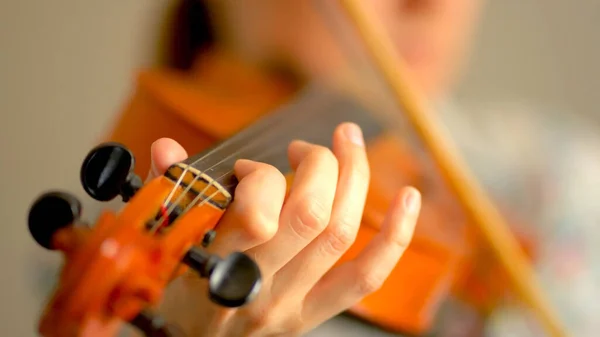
(196, 108)
(117, 268)
(202, 107)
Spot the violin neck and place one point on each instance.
(312, 117)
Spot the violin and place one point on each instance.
(116, 271)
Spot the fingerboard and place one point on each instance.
(312, 116)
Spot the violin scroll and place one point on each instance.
(115, 271)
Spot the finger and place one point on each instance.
(253, 216)
(347, 284)
(306, 211)
(297, 151)
(313, 261)
(164, 153)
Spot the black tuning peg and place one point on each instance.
(51, 212)
(154, 326)
(107, 172)
(232, 282)
(208, 238)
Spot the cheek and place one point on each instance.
(451, 36)
(458, 22)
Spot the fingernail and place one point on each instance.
(354, 134)
(412, 201)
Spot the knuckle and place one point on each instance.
(400, 241)
(340, 237)
(400, 238)
(258, 319)
(311, 218)
(369, 282)
(260, 227)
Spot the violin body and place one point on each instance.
(220, 97)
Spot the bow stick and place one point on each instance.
(477, 204)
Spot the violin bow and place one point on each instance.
(477, 204)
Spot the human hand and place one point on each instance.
(295, 240)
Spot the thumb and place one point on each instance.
(164, 153)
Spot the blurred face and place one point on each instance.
(432, 36)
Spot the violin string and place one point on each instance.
(156, 225)
(181, 196)
(210, 152)
(191, 184)
(264, 136)
(268, 123)
(271, 121)
(271, 131)
(211, 183)
(172, 193)
(278, 118)
(174, 273)
(207, 199)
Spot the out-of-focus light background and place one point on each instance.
(67, 66)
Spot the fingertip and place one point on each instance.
(402, 217)
(350, 132)
(298, 144)
(411, 200)
(164, 153)
(297, 150)
(243, 167)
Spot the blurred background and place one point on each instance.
(66, 67)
